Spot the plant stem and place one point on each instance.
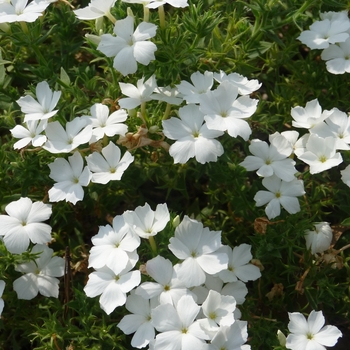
(161, 14)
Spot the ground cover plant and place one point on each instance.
(174, 174)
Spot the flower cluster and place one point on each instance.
(187, 304)
(332, 35)
(71, 175)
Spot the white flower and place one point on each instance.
(105, 124)
(70, 177)
(231, 337)
(281, 193)
(218, 311)
(244, 86)
(291, 136)
(114, 246)
(140, 321)
(238, 289)
(337, 57)
(145, 222)
(112, 286)
(175, 3)
(310, 333)
(24, 224)
(39, 274)
(95, 9)
(238, 264)
(167, 288)
(137, 94)
(19, 11)
(309, 116)
(319, 239)
(269, 160)
(331, 30)
(336, 125)
(321, 154)
(224, 111)
(43, 108)
(65, 141)
(168, 95)
(177, 326)
(300, 145)
(197, 247)
(108, 166)
(2, 287)
(128, 46)
(193, 138)
(202, 83)
(31, 134)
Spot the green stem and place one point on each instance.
(105, 140)
(167, 111)
(161, 14)
(143, 110)
(153, 245)
(40, 57)
(110, 17)
(145, 14)
(24, 27)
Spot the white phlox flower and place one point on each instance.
(167, 94)
(291, 136)
(167, 288)
(137, 94)
(310, 333)
(177, 327)
(139, 321)
(238, 264)
(320, 153)
(231, 337)
(24, 224)
(202, 83)
(21, 11)
(332, 29)
(336, 125)
(309, 116)
(104, 123)
(238, 289)
(145, 222)
(41, 108)
(192, 137)
(197, 247)
(300, 145)
(114, 246)
(62, 140)
(337, 57)
(218, 311)
(112, 286)
(224, 111)
(271, 159)
(319, 239)
(30, 134)
(280, 193)
(109, 165)
(128, 46)
(40, 275)
(70, 176)
(95, 9)
(243, 84)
